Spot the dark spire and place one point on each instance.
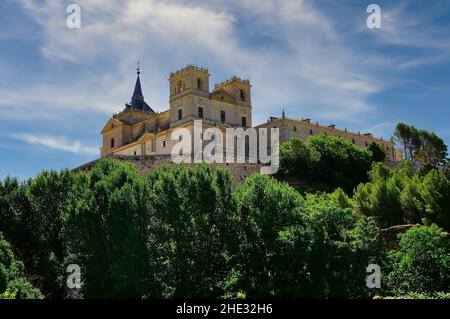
(137, 88)
(137, 100)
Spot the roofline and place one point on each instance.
(325, 127)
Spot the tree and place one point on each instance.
(194, 229)
(31, 218)
(12, 281)
(106, 230)
(289, 244)
(380, 197)
(331, 160)
(435, 192)
(404, 135)
(270, 234)
(422, 263)
(421, 145)
(378, 153)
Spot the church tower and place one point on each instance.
(188, 87)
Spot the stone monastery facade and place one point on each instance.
(140, 131)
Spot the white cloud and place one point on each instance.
(57, 143)
(50, 53)
(301, 63)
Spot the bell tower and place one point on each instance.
(189, 80)
(188, 87)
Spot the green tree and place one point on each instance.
(31, 218)
(194, 229)
(422, 263)
(106, 230)
(380, 197)
(435, 192)
(288, 244)
(12, 280)
(270, 238)
(378, 153)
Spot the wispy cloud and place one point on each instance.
(51, 54)
(301, 65)
(57, 143)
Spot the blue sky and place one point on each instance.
(316, 59)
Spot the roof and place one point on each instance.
(137, 100)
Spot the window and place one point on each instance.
(311, 132)
(353, 140)
(295, 128)
(164, 143)
(222, 116)
(367, 144)
(112, 143)
(180, 114)
(244, 121)
(134, 153)
(199, 83)
(242, 95)
(178, 88)
(200, 112)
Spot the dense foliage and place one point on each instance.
(183, 232)
(422, 264)
(12, 282)
(405, 196)
(333, 161)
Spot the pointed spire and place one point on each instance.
(137, 100)
(137, 94)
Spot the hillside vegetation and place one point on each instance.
(182, 232)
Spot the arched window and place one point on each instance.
(199, 83)
(311, 132)
(112, 143)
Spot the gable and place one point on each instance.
(112, 123)
(217, 95)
